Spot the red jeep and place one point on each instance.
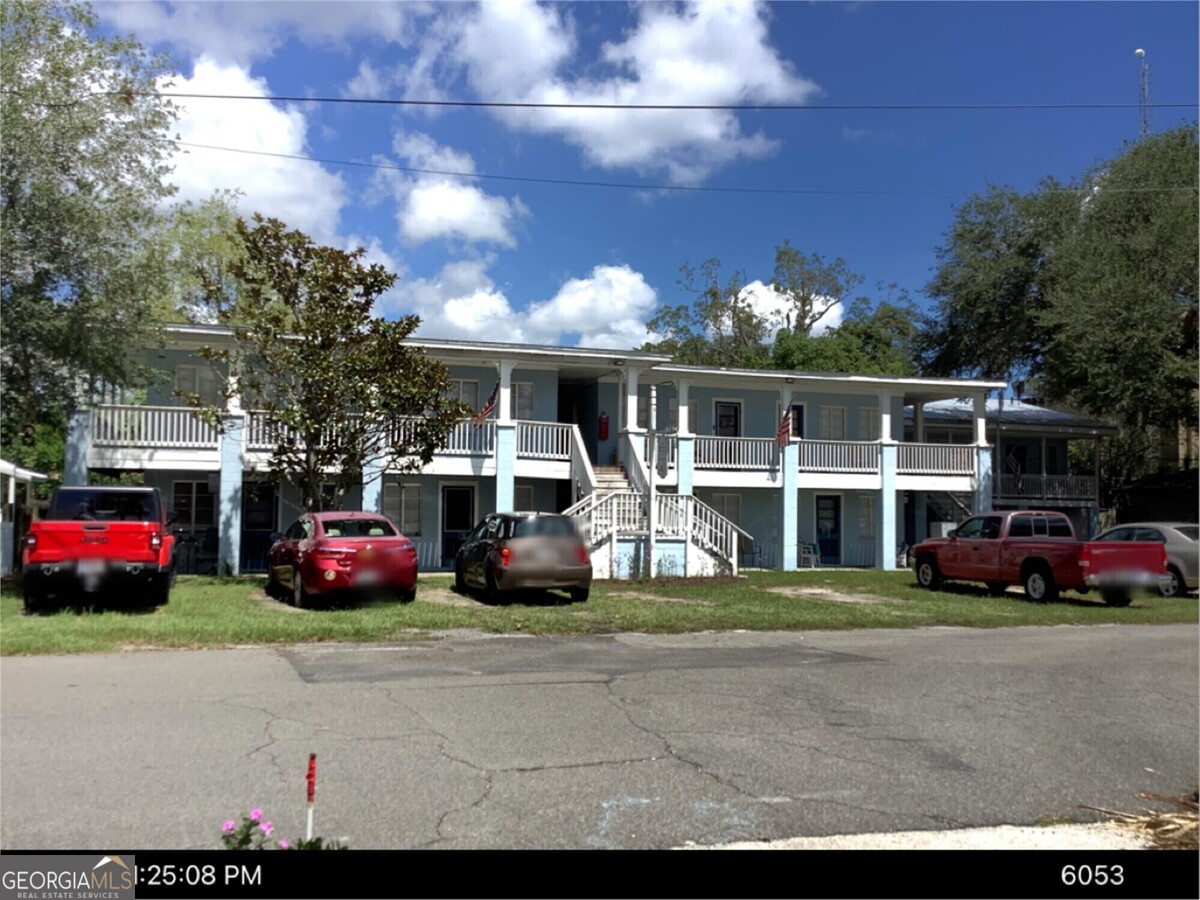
(95, 537)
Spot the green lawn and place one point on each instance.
(207, 612)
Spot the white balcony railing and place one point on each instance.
(1049, 487)
(935, 459)
(839, 456)
(544, 440)
(160, 427)
(735, 453)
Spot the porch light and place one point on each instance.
(618, 362)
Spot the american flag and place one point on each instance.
(784, 435)
(489, 406)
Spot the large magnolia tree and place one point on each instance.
(336, 390)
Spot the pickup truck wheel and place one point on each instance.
(1039, 585)
(928, 575)
(1175, 587)
(1116, 598)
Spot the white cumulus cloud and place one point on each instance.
(608, 308)
(716, 52)
(432, 206)
(774, 308)
(298, 191)
(244, 32)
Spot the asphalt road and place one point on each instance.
(622, 741)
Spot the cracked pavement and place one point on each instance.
(600, 741)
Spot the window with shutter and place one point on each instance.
(833, 423)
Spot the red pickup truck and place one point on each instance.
(1038, 551)
(99, 536)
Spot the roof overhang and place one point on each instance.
(910, 388)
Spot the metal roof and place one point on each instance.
(1015, 414)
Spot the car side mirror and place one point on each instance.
(276, 536)
(953, 535)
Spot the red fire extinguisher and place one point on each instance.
(604, 426)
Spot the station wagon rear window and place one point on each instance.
(544, 526)
(1191, 532)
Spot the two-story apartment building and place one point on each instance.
(571, 431)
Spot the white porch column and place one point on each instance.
(685, 448)
(885, 417)
(506, 441)
(631, 398)
(918, 422)
(682, 428)
(503, 401)
(789, 493)
(979, 405)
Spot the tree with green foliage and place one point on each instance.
(1123, 314)
(811, 286)
(1088, 289)
(342, 391)
(718, 328)
(872, 340)
(82, 168)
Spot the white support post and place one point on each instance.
(885, 418)
(503, 397)
(651, 512)
(979, 405)
(631, 399)
(682, 427)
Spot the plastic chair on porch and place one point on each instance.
(807, 555)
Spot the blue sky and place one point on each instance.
(500, 260)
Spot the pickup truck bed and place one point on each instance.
(1038, 551)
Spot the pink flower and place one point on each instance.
(229, 826)
(255, 814)
(267, 828)
(284, 845)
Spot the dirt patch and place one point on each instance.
(275, 605)
(825, 594)
(659, 598)
(444, 596)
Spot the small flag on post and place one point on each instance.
(784, 435)
(311, 778)
(488, 407)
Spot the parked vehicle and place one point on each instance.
(1183, 550)
(509, 552)
(94, 537)
(327, 552)
(1038, 550)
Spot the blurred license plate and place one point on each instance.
(366, 576)
(90, 567)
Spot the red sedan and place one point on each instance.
(340, 551)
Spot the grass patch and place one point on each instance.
(210, 612)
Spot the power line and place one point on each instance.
(728, 107)
(573, 182)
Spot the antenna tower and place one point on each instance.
(1144, 90)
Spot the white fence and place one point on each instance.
(736, 453)
(174, 427)
(839, 456)
(935, 459)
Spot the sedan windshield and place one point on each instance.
(358, 528)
